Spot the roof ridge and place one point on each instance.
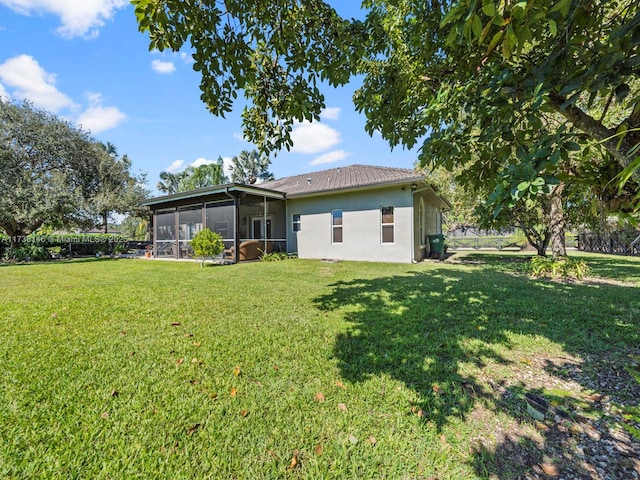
(353, 165)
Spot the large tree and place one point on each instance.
(470, 80)
(45, 171)
(249, 167)
(115, 188)
(419, 56)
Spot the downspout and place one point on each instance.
(236, 222)
(264, 211)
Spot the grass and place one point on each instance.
(294, 369)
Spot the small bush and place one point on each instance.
(26, 253)
(206, 244)
(548, 267)
(274, 256)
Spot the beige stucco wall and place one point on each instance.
(362, 231)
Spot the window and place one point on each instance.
(421, 223)
(295, 222)
(336, 226)
(387, 224)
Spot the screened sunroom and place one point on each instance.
(240, 214)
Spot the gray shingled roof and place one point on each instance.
(341, 178)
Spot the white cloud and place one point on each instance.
(97, 118)
(329, 157)
(3, 93)
(187, 58)
(200, 161)
(79, 18)
(163, 67)
(331, 113)
(175, 166)
(30, 81)
(313, 138)
(239, 136)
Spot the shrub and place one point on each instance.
(274, 256)
(206, 244)
(26, 253)
(548, 267)
(76, 244)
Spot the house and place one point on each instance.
(358, 212)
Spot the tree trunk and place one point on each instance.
(557, 224)
(537, 241)
(543, 245)
(17, 235)
(104, 222)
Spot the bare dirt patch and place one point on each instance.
(581, 435)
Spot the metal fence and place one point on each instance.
(487, 242)
(626, 242)
(496, 242)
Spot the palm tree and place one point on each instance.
(110, 148)
(248, 167)
(206, 175)
(170, 182)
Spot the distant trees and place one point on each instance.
(249, 167)
(170, 182)
(203, 176)
(192, 178)
(53, 173)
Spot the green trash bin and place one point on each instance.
(436, 245)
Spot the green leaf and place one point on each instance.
(451, 38)
(562, 6)
(622, 91)
(572, 146)
(494, 41)
(476, 26)
(484, 33)
(553, 27)
(628, 172)
(489, 9)
(523, 186)
(538, 182)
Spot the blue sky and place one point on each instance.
(86, 61)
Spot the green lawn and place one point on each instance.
(294, 369)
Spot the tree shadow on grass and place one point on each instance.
(426, 329)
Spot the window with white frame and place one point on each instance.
(336, 226)
(388, 224)
(295, 222)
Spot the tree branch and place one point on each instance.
(606, 136)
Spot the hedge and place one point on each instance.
(73, 244)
